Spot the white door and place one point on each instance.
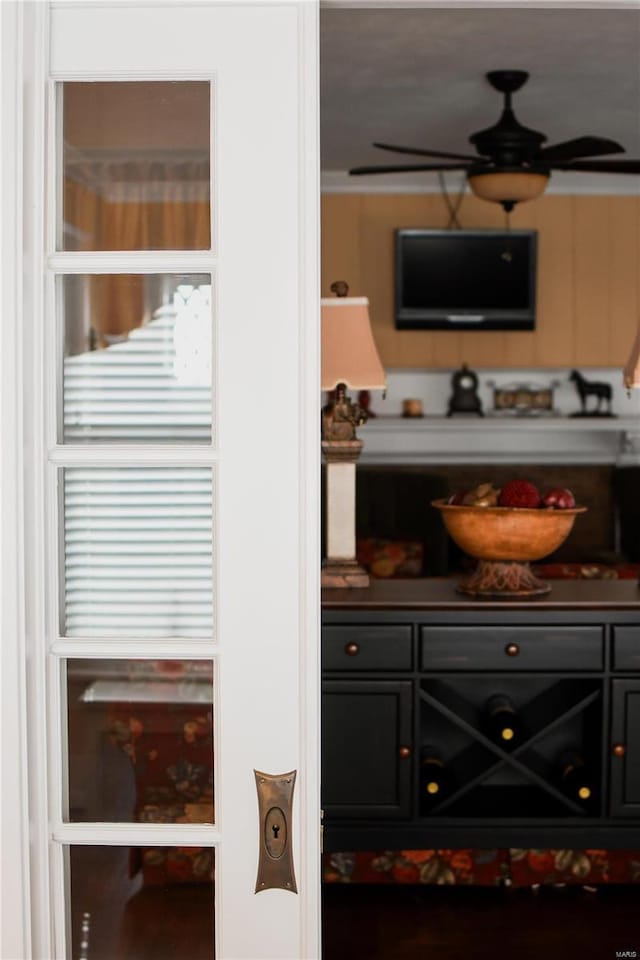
(164, 381)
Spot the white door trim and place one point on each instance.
(15, 925)
(26, 925)
(309, 859)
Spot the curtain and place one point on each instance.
(130, 205)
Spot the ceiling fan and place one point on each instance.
(512, 165)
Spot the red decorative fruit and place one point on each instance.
(519, 493)
(456, 499)
(559, 498)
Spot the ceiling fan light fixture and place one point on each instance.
(508, 187)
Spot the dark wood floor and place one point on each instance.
(131, 922)
(436, 923)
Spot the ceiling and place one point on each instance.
(415, 77)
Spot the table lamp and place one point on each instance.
(349, 359)
(631, 372)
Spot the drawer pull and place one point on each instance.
(619, 750)
(352, 649)
(512, 649)
(405, 752)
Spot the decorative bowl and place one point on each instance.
(505, 540)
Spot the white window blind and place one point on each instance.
(138, 552)
(153, 386)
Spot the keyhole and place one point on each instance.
(275, 833)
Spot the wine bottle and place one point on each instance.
(432, 774)
(503, 724)
(574, 776)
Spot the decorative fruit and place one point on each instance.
(559, 498)
(457, 498)
(519, 493)
(484, 495)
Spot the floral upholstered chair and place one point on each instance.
(170, 746)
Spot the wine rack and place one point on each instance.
(487, 779)
(418, 685)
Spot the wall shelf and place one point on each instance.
(491, 439)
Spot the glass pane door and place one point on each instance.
(138, 552)
(136, 540)
(135, 166)
(137, 358)
(151, 909)
(180, 340)
(140, 741)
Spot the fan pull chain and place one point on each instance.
(507, 253)
(453, 222)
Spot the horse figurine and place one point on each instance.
(586, 388)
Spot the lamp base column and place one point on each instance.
(341, 569)
(343, 573)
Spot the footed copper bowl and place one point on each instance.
(505, 540)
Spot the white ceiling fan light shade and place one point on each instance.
(508, 187)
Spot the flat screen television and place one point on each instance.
(465, 279)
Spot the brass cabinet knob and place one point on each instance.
(512, 649)
(352, 649)
(618, 749)
(405, 752)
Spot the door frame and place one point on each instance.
(14, 888)
(27, 887)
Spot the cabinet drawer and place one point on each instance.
(626, 648)
(366, 647)
(511, 648)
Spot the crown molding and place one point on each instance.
(339, 181)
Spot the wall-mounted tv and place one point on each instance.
(465, 279)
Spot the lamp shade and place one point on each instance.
(508, 187)
(349, 353)
(631, 372)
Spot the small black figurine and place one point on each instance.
(465, 397)
(586, 388)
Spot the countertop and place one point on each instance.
(440, 594)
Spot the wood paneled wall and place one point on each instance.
(588, 277)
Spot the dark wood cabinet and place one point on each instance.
(366, 772)
(409, 667)
(625, 748)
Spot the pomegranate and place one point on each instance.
(559, 498)
(519, 493)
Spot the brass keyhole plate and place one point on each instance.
(275, 803)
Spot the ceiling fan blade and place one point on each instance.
(426, 153)
(600, 166)
(359, 171)
(580, 147)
